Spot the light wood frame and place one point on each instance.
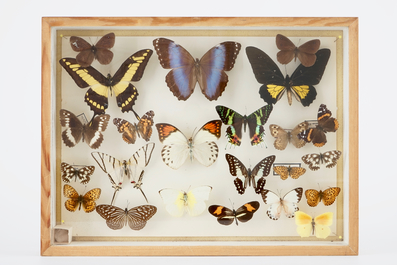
(351, 24)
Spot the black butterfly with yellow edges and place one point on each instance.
(97, 96)
(300, 84)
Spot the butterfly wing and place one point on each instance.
(93, 131)
(329, 195)
(175, 150)
(322, 224)
(111, 166)
(204, 149)
(102, 54)
(294, 139)
(86, 55)
(139, 160)
(296, 172)
(224, 215)
(211, 76)
(274, 201)
(307, 52)
(116, 218)
(174, 201)
(127, 129)
(267, 73)
(282, 136)
(182, 78)
(325, 121)
(287, 49)
(304, 224)
(255, 121)
(89, 200)
(261, 170)
(196, 199)
(330, 158)
(290, 201)
(312, 160)
(132, 69)
(282, 171)
(74, 128)
(69, 172)
(303, 79)
(237, 169)
(312, 197)
(145, 125)
(246, 212)
(138, 216)
(235, 120)
(73, 198)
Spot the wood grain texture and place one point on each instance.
(89, 249)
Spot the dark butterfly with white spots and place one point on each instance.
(329, 158)
(91, 133)
(300, 84)
(326, 123)
(306, 53)
(236, 121)
(83, 173)
(96, 96)
(131, 130)
(248, 176)
(116, 218)
(87, 52)
(225, 216)
(186, 71)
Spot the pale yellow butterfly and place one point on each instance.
(319, 225)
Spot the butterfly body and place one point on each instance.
(318, 226)
(283, 136)
(327, 196)
(76, 201)
(300, 84)
(75, 131)
(225, 216)
(209, 71)
(288, 203)
(237, 121)
(306, 53)
(96, 96)
(177, 202)
(177, 147)
(284, 172)
(87, 52)
(326, 123)
(69, 172)
(247, 177)
(116, 218)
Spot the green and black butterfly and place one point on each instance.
(300, 84)
(236, 121)
(97, 96)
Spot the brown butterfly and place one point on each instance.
(116, 218)
(284, 172)
(75, 200)
(131, 130)
(327, 196)
(329, 158)
(325, 124)
(88, 52)
(306, 53)
(285, 136)
(83, 173)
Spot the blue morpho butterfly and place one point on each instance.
(209, 71)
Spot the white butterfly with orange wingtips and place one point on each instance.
(319, 225)
(177, 147)
(178, 201)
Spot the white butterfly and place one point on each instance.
(177, 147)
(288, 203)
(132, 168)
(177, 201)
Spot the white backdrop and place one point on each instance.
(20, 163)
